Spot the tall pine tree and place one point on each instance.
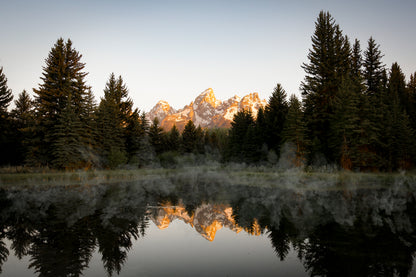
(157, 137)
(345, 125)
(274, 116)
(23, 119)
(371, 108)
(174, 139)
(135, 132)
(373, 68)
(189, 138)
(6, 95)
(398, 136)
(6, 133)
(112, 120)
(411, 91)
(62, 94)
(329, 61)
(294, 131)
(241, 137)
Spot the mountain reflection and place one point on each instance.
(339, 232)
(206, 219)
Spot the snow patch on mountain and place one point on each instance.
(160, 111)
(206, 110)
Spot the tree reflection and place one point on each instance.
(4, 252)
(59, 250)
(281, 237)
(21, 233)
(114, 242)
(334, 232)
(333, 250)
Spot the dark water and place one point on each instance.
(207, 227)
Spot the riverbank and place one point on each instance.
(231, 174)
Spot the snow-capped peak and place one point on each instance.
(206, 110)
(208, 97)
(160, 110)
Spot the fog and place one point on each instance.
(108, 210)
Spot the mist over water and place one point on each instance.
(332, 224)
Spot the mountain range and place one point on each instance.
(205, 111)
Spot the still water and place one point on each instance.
(203, 226)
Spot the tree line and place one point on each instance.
(354, 113)
(64, 128)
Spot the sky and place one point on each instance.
(174, 50)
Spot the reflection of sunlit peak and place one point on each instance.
(229, 214)
(163, 223)
(207, 219)
(211, 230)
(166, 213)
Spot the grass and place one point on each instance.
(249, 176)
(78, 177)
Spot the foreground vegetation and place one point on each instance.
(355, 114)
(231, 174)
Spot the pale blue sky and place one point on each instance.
(173, 50)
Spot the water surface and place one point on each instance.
(210, 226)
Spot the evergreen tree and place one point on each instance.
(240, 138)
(364, 154)
(368, 137)
(261, 134)
(345, 125)
(6, 97)
(109, 130)
(329, 62)
(356, 73)
(356, 61)
(157, 137)
(189, 137)
(135, 133)
(23, 111)
(23, 119)
(200, 140)
(216, 140)
(113, 117)
(274, 117)
(261, 126)
(174, 139)
(398, 136)
(363, 151)
(62, 92)
(294, 131)
(6, 132)
(65, 144)
(251, 149)
(146, 154)
(411, 91)
(397, 83)
(373, 108)
(373, 68)
(88, 118)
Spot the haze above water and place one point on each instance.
(206, 223)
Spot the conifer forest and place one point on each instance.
(355, 113)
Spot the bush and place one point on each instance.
(116, 158)
(169, 159)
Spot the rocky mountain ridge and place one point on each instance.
(205, 111)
